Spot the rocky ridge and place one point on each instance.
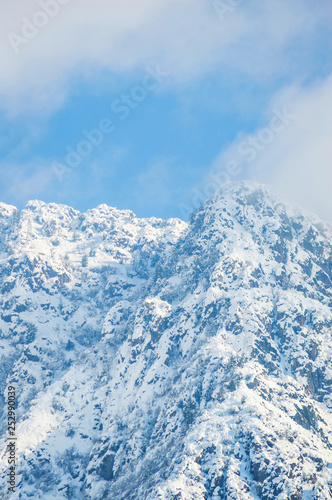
(164, 360)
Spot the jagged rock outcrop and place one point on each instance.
(164, 360)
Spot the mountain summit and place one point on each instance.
(161, 360)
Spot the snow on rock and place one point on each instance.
(163, 360)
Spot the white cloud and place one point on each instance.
(292, 153)
(84, 38)
(298, 162)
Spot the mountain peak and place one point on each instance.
(169, 361)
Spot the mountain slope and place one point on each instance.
(163, 360)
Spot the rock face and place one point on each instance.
(160, 360)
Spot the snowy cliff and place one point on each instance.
(164, 360)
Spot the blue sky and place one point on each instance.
(203, 78)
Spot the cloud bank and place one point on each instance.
(292, 152)
(49, 44)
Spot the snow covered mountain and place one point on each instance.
(161, 360)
